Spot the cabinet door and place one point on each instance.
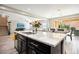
(19, 45)
(23, 47)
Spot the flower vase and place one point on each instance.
(36, 30)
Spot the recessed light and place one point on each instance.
(58, 9)
(28, 9)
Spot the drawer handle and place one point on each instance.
(34, 44)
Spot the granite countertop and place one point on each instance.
(49, 38)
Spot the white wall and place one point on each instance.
(15, 18)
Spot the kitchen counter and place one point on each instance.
(48, 38)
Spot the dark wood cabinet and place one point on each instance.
(27, 45)
(21, 44)
(38, 47)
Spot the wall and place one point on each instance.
(45, 24)
(72, 21)
(16, 18)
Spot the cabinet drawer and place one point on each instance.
(21, 37)
(39, 46)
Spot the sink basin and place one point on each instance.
(28, 32)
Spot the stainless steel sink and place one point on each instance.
(28, 33)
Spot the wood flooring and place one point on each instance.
(7, 45)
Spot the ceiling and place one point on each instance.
(48, 10)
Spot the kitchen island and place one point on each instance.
(49, 41)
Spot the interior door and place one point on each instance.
(3, 25)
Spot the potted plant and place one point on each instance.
(72, 29)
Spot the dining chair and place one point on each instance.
(70, 34)
(52, 29)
